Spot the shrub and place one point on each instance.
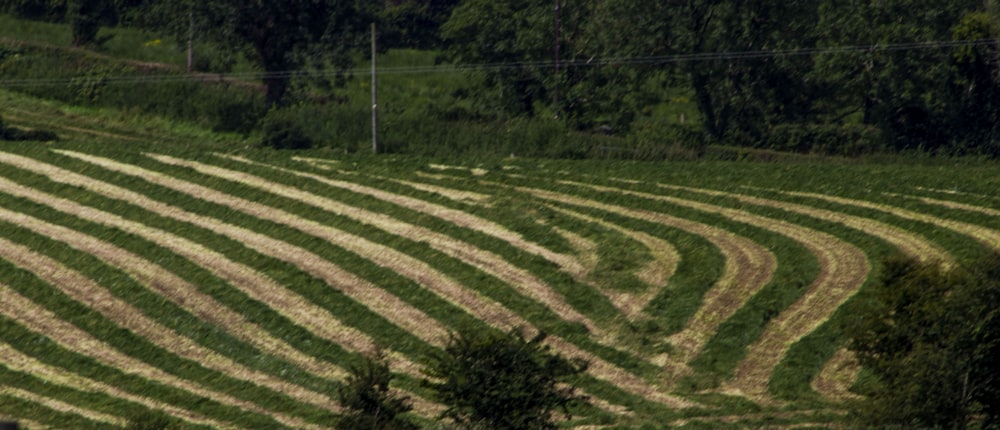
(282, 131)
(503, 381)
(828, 139)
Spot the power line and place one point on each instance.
(455, 68)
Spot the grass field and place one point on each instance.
(151, 265)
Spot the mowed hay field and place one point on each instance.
(232, 287)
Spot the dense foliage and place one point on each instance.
(503, 381)
(931, 339)
(367, 400)
(834, 77)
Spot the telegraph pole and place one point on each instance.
(555, 92)
(374, 98)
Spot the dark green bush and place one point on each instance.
(827, 139)
(282, 131)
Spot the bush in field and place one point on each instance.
(281, 131)
(366, 398)
(931, 339)
(503, 381)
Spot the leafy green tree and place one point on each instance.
(85, 18)
(413, 23)
(368, 402)
(282, 38)
(503, 381)
(931, 339)
(906, 90)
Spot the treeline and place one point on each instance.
(833, 76)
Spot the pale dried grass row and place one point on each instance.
(956, 205)
(41, 320)
(255, 284)
(86, 291)
(843, 268)
(834, 381)
(985, 235)
(482, 308)
(484, 260)
(176, 289)
(19, 362)
(748, 267)
(454, 216)
(908, 243)
(60, 406)
(656, 274)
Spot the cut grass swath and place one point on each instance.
(174, 288)
(486, 310)
(748, 268)
(843, 269)
(837, 377)
(86, 291)
(60, 406)
(483, 260)
(457, 217)
(656, 274)
(41, 320)
(908, 243)
(985, 235)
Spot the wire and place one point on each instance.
(455, 68)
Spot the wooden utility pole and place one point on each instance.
(191, 40)
(555, 92)
(374, 97)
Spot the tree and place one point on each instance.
(282, 38)
(368, 402)
(909, 93)
(503, 381)
(85, 18)
(931, 339)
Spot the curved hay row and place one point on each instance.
(478, 306)
(655, 274)
(86, 291)
(957, 205)
(64, 407)
(454, 216)
(985, 235)
(908, 243)
(171, 286)
(19, 362)
(843, 268)
(255, 284)
(837, 376)
(41, 320)
(484, 260)
(748, 268)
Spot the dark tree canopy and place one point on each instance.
(283, 38)
(368, 402)
(931, 339)
(503, 381)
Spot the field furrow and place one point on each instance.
(57, 405)
(957, 205)
(17, 361)
(488, 262)
(176, 289)
(481, 307)
(255, 284)
(908, 243)
(985, 235)
(656, 274)
(41, 320)
(838, 375)
(89, 293)
(843, 269)
(748, 268)
(454, 216)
